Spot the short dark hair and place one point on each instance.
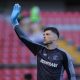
(53, 29)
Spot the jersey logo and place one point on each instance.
(55, 57)
(48, 63)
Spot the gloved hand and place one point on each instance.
(15, 13)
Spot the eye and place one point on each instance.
(47, 34)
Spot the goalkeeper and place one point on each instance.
(51, 61)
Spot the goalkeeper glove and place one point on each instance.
(15, 13)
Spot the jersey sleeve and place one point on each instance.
(34, 47)
(68, 66)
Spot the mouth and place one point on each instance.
(44, 40)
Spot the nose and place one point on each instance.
(44, 36)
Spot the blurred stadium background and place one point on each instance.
(15, 59)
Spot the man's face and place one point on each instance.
(49, 37)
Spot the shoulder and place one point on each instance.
(65, 53)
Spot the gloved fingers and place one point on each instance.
(17, 7)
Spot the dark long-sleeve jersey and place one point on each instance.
(50, 63)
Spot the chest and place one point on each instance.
(50, 58)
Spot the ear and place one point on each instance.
(55, 37)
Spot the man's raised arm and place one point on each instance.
(22, 36)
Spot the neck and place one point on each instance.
(51, 46)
